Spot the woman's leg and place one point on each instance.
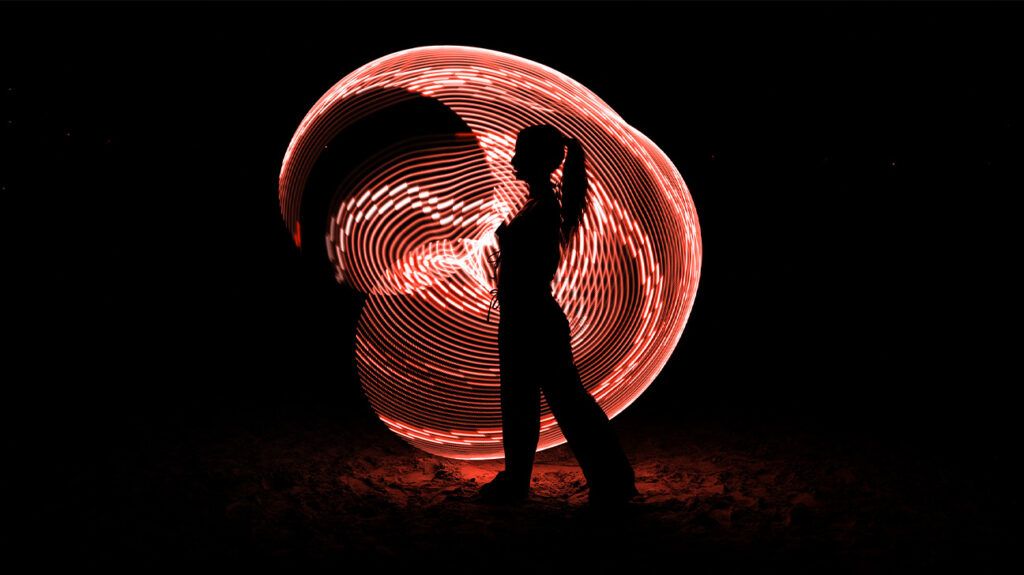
(520, 407)
(586, 427)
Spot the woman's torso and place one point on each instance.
(530, 254)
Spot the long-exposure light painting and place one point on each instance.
(412, 225)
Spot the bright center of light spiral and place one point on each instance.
(412, 224)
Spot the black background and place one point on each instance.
(852, 165)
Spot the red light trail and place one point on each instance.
(416, 229)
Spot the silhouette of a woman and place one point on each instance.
(534, 344)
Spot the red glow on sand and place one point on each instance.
(416, 232)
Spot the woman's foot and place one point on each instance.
(611, 498)
(501, 490)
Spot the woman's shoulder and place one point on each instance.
(529, 214)
(538, 205)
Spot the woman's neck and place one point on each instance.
(542, 189)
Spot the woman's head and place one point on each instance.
(539, 151)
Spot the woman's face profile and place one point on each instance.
(538, 152)
(520, 162)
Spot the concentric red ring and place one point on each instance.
(417, 226)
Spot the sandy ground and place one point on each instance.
(294, 488)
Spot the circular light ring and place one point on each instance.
(413, 228)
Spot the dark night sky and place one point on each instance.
(851, 166)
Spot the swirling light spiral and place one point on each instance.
(413, 225)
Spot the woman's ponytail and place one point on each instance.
(574, 189)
